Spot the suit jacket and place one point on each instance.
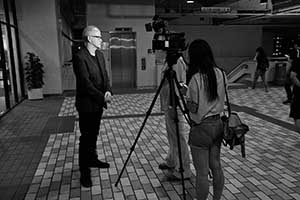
(91, 81)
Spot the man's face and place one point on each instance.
(95, 38)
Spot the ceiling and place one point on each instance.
(248, 12)
(274, 12)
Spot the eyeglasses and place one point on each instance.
(96, 36)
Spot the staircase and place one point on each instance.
(245, 70)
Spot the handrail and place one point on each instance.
(244, 60)
(237, 69)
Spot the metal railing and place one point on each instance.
(242, 66)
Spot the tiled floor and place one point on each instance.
(40, 150)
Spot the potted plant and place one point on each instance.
(34, 75)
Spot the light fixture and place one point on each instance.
(189, 1)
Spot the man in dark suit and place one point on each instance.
(93, 92)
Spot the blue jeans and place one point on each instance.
(208, 157)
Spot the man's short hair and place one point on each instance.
(86, 31)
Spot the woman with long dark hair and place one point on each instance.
(261, 67)
(205, 101)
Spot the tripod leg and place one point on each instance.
(174, 103)
(141, 128)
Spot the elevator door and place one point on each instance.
(123, 59)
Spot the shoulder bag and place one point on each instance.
(234, 129)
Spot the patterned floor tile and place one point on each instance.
(268, 103)
(269, 171)
(127, 104)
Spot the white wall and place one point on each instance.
(108, 17)
(230, 44)
(37, 22)
(39, 33)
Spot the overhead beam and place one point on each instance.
(128, 2)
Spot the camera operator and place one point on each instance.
(171, 162)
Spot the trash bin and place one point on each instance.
(280, 73)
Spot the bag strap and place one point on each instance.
(226, 94)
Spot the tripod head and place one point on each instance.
(172, 57)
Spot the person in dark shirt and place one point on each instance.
(295, 105)
(93, 92)
(262, 66)
(295, 53)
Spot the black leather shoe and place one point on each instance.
(85, 180)
(99, 164)
(164, 166)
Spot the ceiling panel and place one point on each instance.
(240, 11)
(237, 11)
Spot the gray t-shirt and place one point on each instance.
(196, 94)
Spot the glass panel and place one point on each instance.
(8, 65)
(11, 19)
(10, 12)
(2, 91)
(18, 80)
(2, 14)
(3, 80)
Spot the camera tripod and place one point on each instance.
(170, 76)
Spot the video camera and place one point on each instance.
(163, 38)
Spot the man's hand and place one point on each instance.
(107, 97)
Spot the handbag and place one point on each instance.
(234, 129)
(191, 105)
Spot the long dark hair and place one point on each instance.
(201, 60)
(261, 52)
(262, 56)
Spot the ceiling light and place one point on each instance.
(189, 1)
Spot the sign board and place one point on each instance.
(215, 10)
